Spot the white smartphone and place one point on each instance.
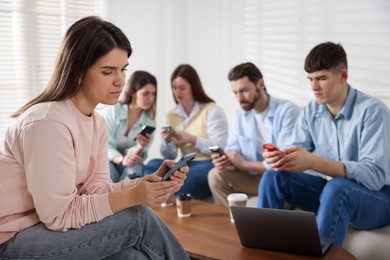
(216, 149)
(168, 128)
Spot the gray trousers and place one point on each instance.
(222, 183)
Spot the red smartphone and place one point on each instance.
(270, 147)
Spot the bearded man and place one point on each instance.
(261, 119)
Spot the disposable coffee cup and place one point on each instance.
(236, 199)
(170, 201)
(183, 205)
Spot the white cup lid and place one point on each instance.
(237, 197)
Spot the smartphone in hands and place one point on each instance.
(168, 128)
(146, 129)
(216, 149)
(270, 147)
(183, 161)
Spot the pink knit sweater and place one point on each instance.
(54, 169)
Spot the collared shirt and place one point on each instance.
(243, 136)
(116, 118)
(216, 130)
(359, 137)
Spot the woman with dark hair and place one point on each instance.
(126, 148)
(196, 123)
(57, 199)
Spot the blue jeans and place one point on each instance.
(133, 233)
(119, 172)
(338, 203)
(196, 182)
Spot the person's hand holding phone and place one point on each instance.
(297, 159)
(180, 163)
(167, 133)
(270, 147)
(220, 159)
(273, 156)
(151, 191)
(176, 172)
(143, 140)
(145, 130)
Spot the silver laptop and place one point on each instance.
(279, 230)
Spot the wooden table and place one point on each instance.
(209, 234)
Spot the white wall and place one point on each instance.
(167, 33)
(215, 35)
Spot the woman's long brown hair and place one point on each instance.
(84, 43)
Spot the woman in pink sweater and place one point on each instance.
(57, 199)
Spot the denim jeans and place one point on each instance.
(196, 182)
(338, 203)
(152, 166)
(119, 172)
(133, 233)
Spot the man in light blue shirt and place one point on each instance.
(343, 136)
(261, 119)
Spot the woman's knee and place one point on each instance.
(141, 210)
(144, 210)
(133, 214)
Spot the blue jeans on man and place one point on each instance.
(338, 202)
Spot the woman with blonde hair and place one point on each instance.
(126, 148)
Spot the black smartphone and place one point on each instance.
(183, 161)
(216, 149)
(146, 129)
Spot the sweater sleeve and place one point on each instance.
(53, 174)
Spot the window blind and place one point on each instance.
(30, 36)
(279, 35)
